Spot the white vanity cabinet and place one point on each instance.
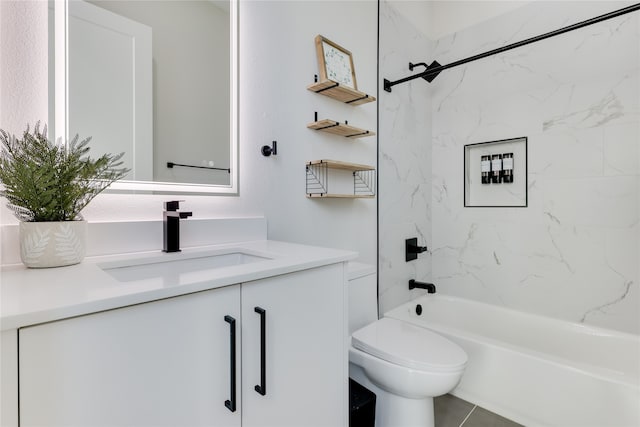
(306, 366)
(168, 362)
(162, 363)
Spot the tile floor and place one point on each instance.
(453, 412)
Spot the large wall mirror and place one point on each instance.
(156, 79)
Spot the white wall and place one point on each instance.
(573, 252)
(277, 62)
(436, 19)
(405, 159)
(450, 16)
(23, 68)
(277, 65)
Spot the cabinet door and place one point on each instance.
(306, 366)
(164, 363)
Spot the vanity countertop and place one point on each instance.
(33, 296)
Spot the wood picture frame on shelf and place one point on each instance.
(335, 63)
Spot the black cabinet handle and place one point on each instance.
(262, 387)
(231, 403)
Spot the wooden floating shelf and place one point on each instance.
(341, 93)
(335, 164)
(342, 129)
(363, 184)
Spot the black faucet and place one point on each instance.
(171, 225)
(430, 287)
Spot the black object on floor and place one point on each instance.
(362, 405)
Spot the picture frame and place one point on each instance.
(335, 63)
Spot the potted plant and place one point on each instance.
(46, 186)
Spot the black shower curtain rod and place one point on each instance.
(435, 68)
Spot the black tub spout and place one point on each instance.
(430, 287)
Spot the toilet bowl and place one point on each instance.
(405, 365)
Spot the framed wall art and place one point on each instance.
(335, 62)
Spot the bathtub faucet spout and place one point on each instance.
(430, 287)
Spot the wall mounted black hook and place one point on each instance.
(267, 151)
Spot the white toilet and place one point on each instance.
(406, 366)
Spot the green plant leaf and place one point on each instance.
(45, 181)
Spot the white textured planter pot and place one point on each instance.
(52, 244)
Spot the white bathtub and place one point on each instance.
(536, 370)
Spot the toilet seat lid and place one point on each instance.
(409, 345)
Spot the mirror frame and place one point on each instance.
(60, 115)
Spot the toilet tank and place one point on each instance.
(363, 295)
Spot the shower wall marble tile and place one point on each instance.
(573, 253)
(404, 189)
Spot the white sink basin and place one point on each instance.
(173, 265)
